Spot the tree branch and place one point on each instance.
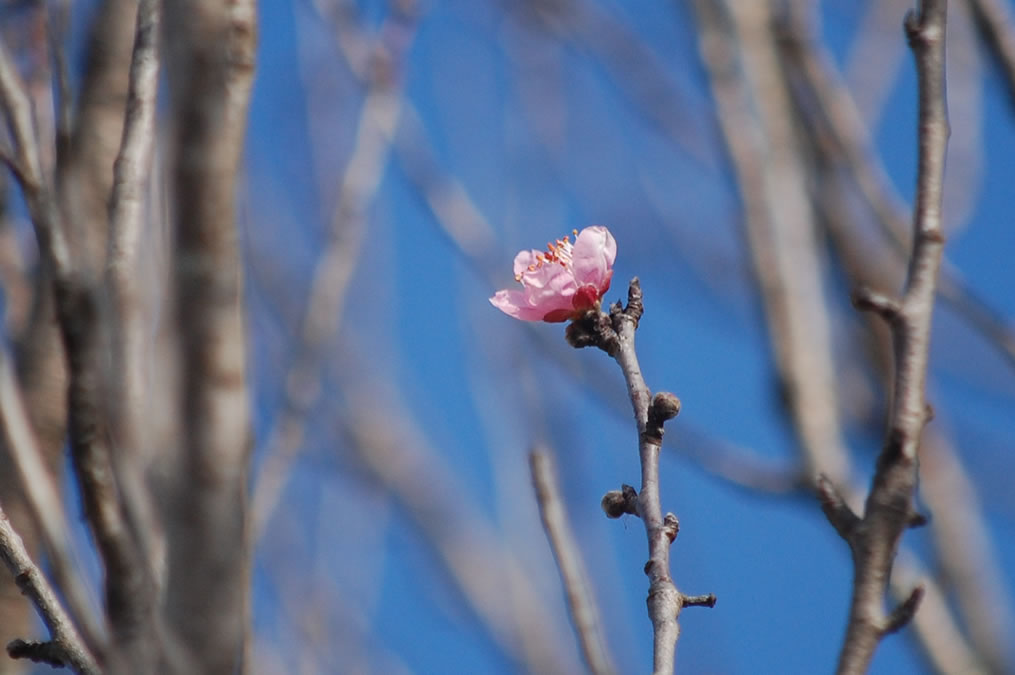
(889, 506)
(584, 614)
(66, 647)
(77, 310)
(614, 334)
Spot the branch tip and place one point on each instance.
(697, 600)
(635, 307)
(904, 613)
(48, 652)
(838, 512)
(866, 299)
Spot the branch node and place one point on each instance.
(697, 600)
(867, 300)
(635, 308)
(917, 520)
(911, 23)
(838, 512)
(48, 652)
(903, 614)
(593, 329)
(671, 526)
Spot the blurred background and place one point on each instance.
(756, 162)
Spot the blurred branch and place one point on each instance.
(614, 334)
(581, 604)
(963, 544)
(85, 169)
(389, 447)
(874, 538)
(210, 56)
(876, 42)
(42, 497)
(379, 119)
(777, 221)
(845, 141)
(127, 388)
(994, 20)
(65, 647)
(645, 80)
(77, 310)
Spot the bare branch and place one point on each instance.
(889, 505)
(614, 334)
(778, 223)
(584, 614)
(43, 500)
(66, 647)
(77, 310)
(838, 512)
(904, 612)
(127, 382)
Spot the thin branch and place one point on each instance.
(995, 23)
(584, 613)
(127, 382)
(967, 559)
(333, 272)
(889, 505)
(66, 647)
(614, 334)
(77, 309)
(393, 450)
(43, 499)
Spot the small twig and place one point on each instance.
(42, 497)
(584, 614)
(66, 647)
(874, 540)
(614, 334)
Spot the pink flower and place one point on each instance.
(563, 282)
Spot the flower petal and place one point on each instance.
(515, 303)
(595, 250)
